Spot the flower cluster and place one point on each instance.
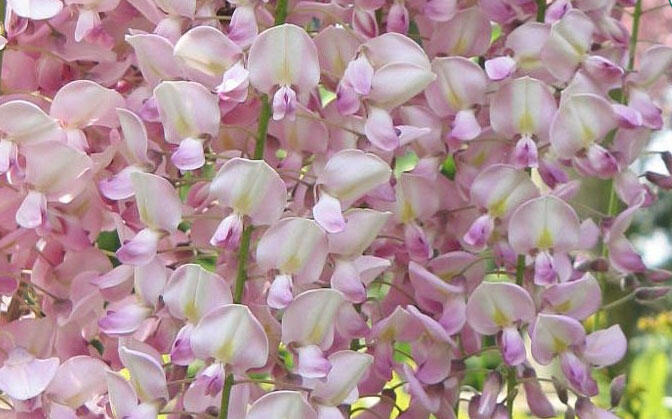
(254, 209)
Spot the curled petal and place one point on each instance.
(309, 319)
(294, 245)
(141, 249)
(581, 120)
(350, 174)
(232, 335)
(525, 153)
(189, 155)
(284, 104)
(23, 376)
(280, 292)
(36, 9)
(544, 223)
(146, 373)
(155, 57)
(23, 122)
(228, 232)
(251, 187)
(32, 210)
(465, 126)
(119, 186)
(513, 347)
(568, 41)
(207, 50)
(459, 84)
(500, 68)
(501, 189)
(359, 75)
(192, 292)
(348, 368)
(187, 109)
(77, 381)
(158, 204)
(554, 334)
(100, 109)
(578, 299)
(311, 362)
(605, 347)
(281, 403)
(362, 226)
(380, 130)
(495, 305)
(479, 233)
(283, 55)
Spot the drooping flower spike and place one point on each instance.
(326, 210)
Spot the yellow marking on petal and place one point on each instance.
(190, 311)
(453, 99)
(545, 240)
(500, 318)
(563, 307)
(526, 122)
(587, 134)
(528, 62)
(460, 46)
(292, 264)
(558, 345)
(316, 333)
(225, 352)
(479, 159)
(498, 208)
(407, 213)
(243, 204)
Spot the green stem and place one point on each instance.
(520, 269)
(241, 275)
(511, 392)
(626, 298)
(635, 34)
(280, 12)
(226, 395)
(541, 10)
(262, 130)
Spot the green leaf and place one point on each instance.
(448, 168)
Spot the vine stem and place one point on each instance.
(511, 381)
(241, 274)
(613, 203)
(541, 10)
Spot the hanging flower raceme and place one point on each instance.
(326, 210)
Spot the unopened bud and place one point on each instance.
(616, 390)
(651, 293)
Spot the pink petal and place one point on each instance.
(208, 51)
(605, 347)
(500, 68)
(251, 187)
(124, 320)
(187, 109)
(57, 170)
(359, 75)
(460, 84)
(380, 130)
(348, 368)
(121, 394)
(569, 40)
(296, 246)
(232, 335)
(23, 376)
(362, 226)
(535, 396)
(32, 210)
(86, 22)
(553, 334)
(36, 9)
(146, 373)
(23, 122)
(100, 109)
(501, 189)
(480, 231)
(350, 174)
(440, 10)
(346, 280)
(578, 299)
(192, 292)
(525, 153)
(282, 403)
(397, 18)
(79, 380)
(155, 58)
(544, 223)
(228, 232)
(158, 204)
(311, 362)
(283, 55)
(189, 155)
(309, 319)
(243, 28)
(118, 186)
(141, 249)
(495, 305)
(581, 120)
(284, 104)
(465, 126)
(280, 293)
(513, 347)
(328, 214)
